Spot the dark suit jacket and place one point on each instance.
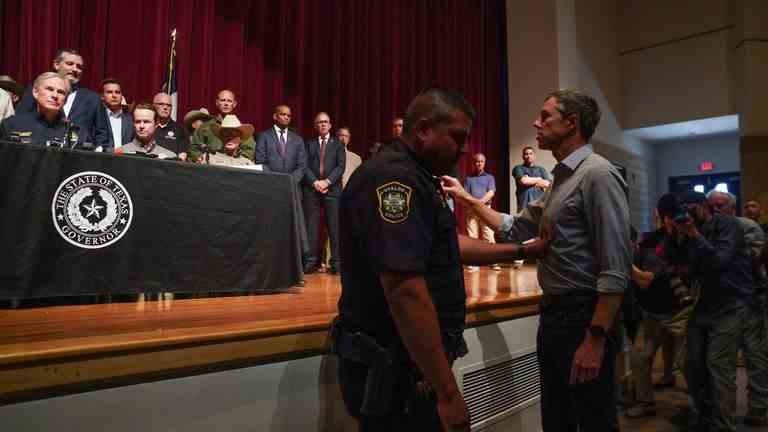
(268, 154)
(127, 133)
(87, 111)
(334, 164)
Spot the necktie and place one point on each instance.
(322, 157)
(282, 142)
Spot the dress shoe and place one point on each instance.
(334, 270)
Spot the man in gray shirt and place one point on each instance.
(585, 218)
(144, 123)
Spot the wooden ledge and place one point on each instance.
(68, 349)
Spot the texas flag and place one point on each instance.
(169, 85)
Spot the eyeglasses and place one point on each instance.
(163, 104)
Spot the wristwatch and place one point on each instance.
(598, 332)
(521, 252)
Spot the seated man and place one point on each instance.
(144, 123)
(231, 133)
(46, 125)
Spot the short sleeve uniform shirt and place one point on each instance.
(394, 218)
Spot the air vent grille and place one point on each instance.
(497, 391)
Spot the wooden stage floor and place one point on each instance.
(39, 344)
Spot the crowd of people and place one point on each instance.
(57, 111)
(698, 281)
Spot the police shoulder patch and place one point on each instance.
(394, 201)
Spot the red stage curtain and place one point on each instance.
(361, 61)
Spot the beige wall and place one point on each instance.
(645, 23)
(675, 60)
(676, 82)
(590, 62)
(533, 72)
(573, 44)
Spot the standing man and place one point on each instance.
(83, 107)
(204, 140)
(280, 149)
(402, 284)
(169, 134)
(585, 217)
(397, 128)
(46, 125)
(353, 160)
(482, 186)
(531, 180)
(753, 211)
(714, 249)
(145, 125)
(120, 123)
(754, 340)
(326, 160)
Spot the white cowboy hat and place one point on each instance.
(231, 121)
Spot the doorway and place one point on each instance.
(724, 182)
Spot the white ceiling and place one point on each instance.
(687, 130)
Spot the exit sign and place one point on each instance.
(706, 166)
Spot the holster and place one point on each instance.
(382, 366)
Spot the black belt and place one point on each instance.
(549, 301)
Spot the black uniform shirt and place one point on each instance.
(33, 128)
(394, 217)
(173, 137)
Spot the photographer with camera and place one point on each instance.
(713, 248)
(755, 343)
(666, 303)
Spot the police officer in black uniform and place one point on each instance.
(47, 125)
(402, 307)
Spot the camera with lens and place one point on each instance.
(683, 213)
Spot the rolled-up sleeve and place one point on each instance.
(607, 213)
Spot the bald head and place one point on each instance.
(226, 102)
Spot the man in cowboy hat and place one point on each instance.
(231, 133)
(204, 140)
(6, 105)
(12, 87)
(83, 107)
(195, 118)
(169, 133)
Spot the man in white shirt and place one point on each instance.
(120, 122)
